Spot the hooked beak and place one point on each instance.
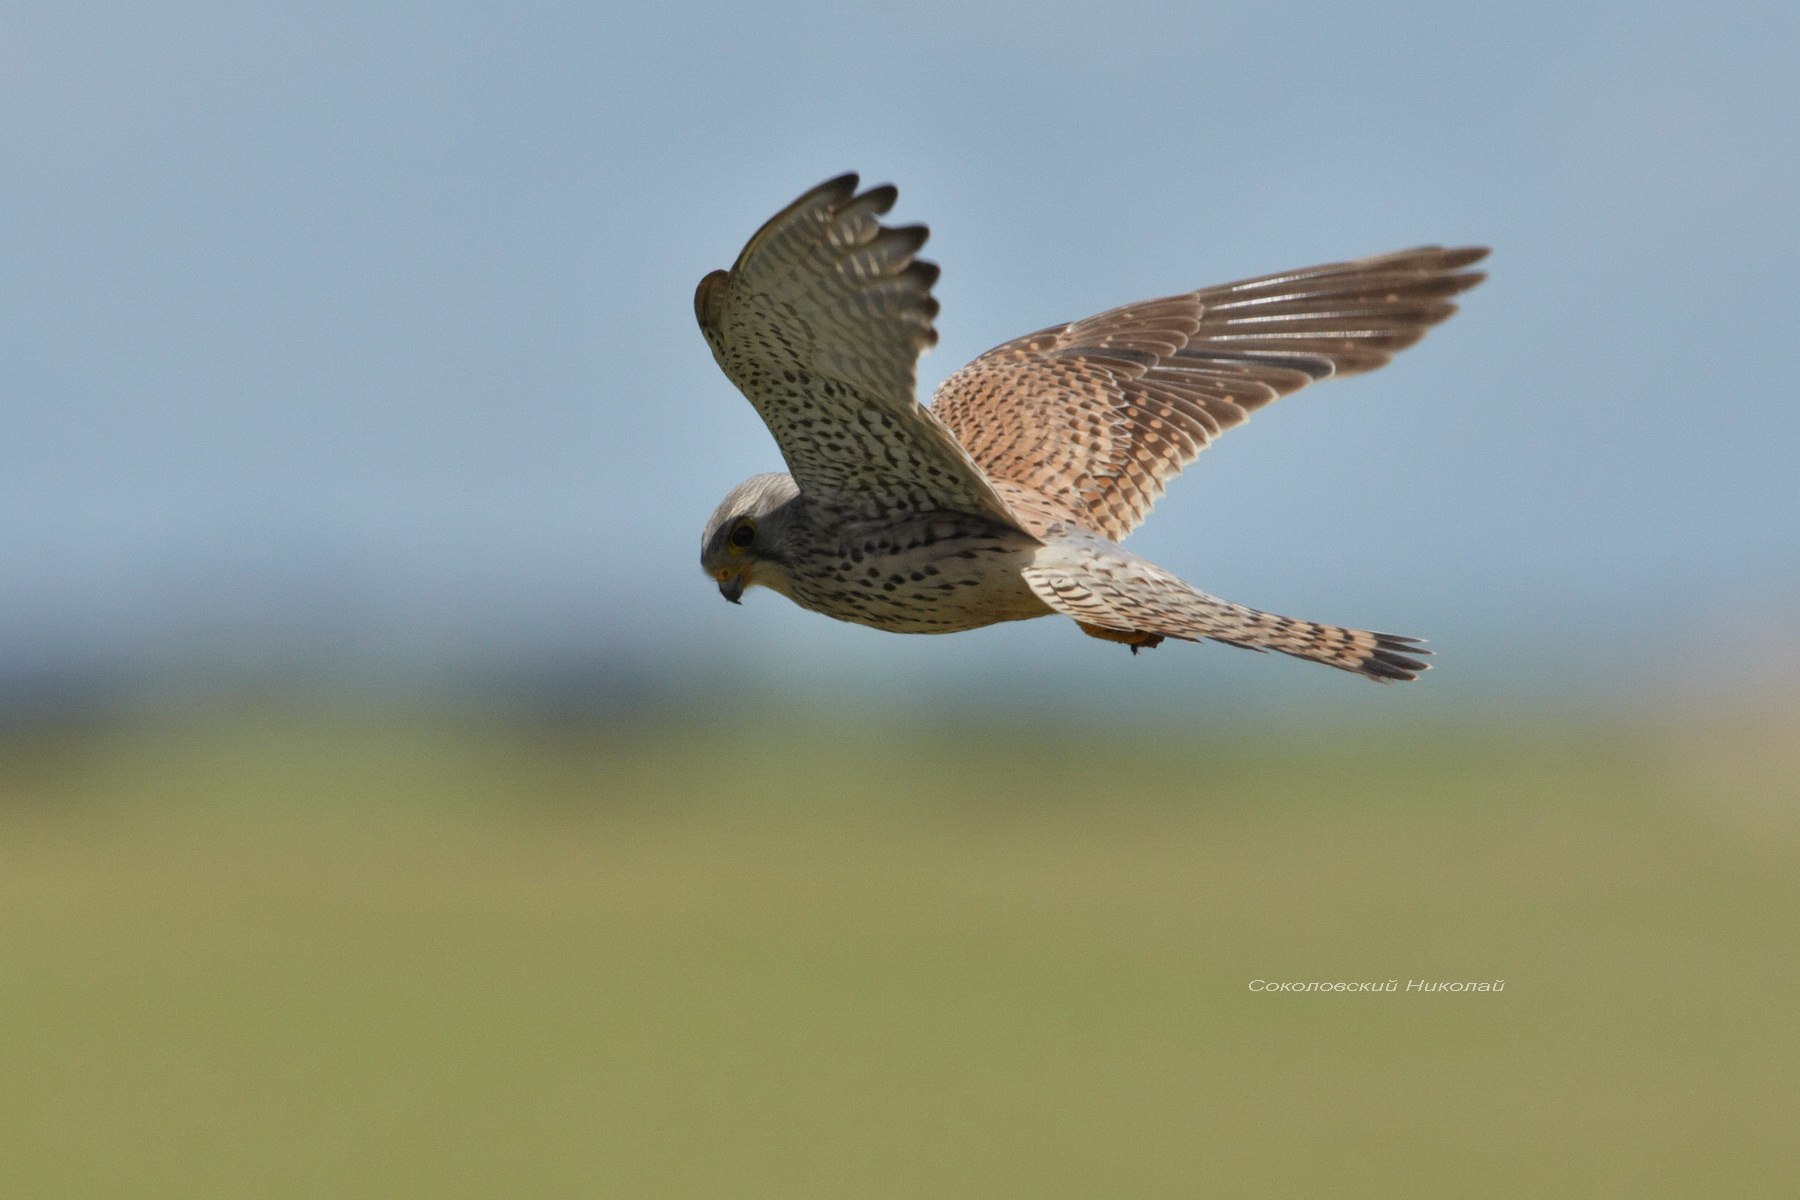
(732, 588)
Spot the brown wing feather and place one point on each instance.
(820, 323)
(1092, 419)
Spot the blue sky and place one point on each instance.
(361, 334)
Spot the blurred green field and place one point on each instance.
(273, 954)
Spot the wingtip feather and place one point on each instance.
(880, 198)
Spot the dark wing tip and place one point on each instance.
(1423, 258)
(923, 271)
(1461, 256)
(923, 274)
(902, 240)
(840, 187)
(832, 194)
(880, 198)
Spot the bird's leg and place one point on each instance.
(1137, 641)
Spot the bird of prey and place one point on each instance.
(1007, 497)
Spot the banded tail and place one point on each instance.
(1116, 595)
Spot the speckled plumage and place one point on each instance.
(1006, 498)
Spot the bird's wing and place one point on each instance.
(1097, 416)
(820, 323)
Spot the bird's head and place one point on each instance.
(744, 545)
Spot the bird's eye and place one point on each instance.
(742, 536)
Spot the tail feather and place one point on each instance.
(1383, 657)
(1116, 595)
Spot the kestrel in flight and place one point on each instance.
(1007, 498)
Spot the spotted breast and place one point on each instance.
(924, 573)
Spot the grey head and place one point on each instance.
(747, 539)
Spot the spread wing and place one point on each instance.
(1094, 418)
(821, 323)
